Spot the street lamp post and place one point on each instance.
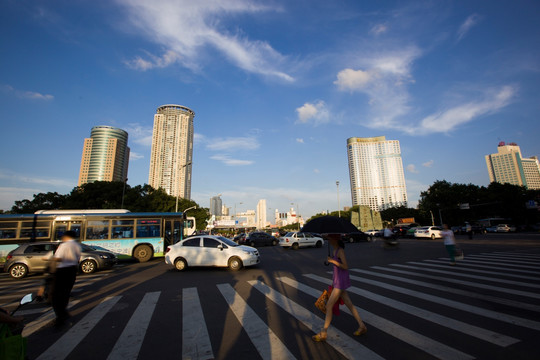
(338, 206)
(177, 181)
(235, 213)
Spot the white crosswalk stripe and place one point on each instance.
(195, 334)
(446, 266)
(533, 256)
(493, 267)
(491, 262)
(509, 257)
(505, 260)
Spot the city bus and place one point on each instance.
(127, 234)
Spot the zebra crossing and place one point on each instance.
(426, 308)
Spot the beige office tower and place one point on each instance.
(376, 173)
(105, 155)
(172, 150)
(508, 166)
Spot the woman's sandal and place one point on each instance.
(319, 338)
(361, 331)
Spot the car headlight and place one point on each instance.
(249, 252)
(104, 256)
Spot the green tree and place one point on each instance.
(41, 201)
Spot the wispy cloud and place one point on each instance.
(428, 164)
(316, 113)
(186, 29)
(133, 156)
(233, 143)
(412, 169)
(300, 140)
(379, 29)
(140, 134)
(227, 160)
(17, 178)
(26, 94)
(464, 28)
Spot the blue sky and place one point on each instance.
(277, 87)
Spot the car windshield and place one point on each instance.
(86, 248)
(227, 241)
(289, 234)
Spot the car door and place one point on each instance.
(301, 239)
(309, 240)
(213, 255)
(191, 251)
(35, 254)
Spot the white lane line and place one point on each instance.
(430, 346)
(510, 257)
(461, 282)
(65, 345)
(462, 264)
(532, 256)
(497, 259)
(348, 347)
(265, 340)
(130, 341)
(511, 319)
(491, 262)
(477, 277)
(475, 331)
(494, 299)
(459, 269)
(195, 340)
(43, 320)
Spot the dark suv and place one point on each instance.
(29, 258)
(259, 238)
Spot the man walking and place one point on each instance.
(67, 258)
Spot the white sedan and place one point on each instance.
(299, 239)
(210, 250)
(432, 232)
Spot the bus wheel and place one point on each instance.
(18, 271)
(143, 253)
(88, 266)
(180, 264)
(235, 263)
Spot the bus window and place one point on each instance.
(148, 228)
(97, 229)
(8, 230)
(61, 227)
(122, 229)
(42, 229)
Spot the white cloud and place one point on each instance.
(316, 112)
(8, 195)
(190, 27)
(316, 171)
(140, 134)
(133, 156)
(300, 140)
(233, 143)
(27, 94)
(412, 168)
(349, 79)
(17, 178)
(428, 164)
(464, 28)
(378, 29)
(227, 160)
(198, 138)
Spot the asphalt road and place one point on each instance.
(415, 305)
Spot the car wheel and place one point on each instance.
(18, 271)
(143, 253)
(318, 244)
(252, 244)
(432, 236)
(180, 264)
(235, 263)
(274, 242)
(351, 240)
(295, 246)
(88, 266)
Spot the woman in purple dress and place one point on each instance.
(341, 282)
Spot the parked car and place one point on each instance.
(410, 232)
(355, 237)
(505, 228)
(297, 240)
(401, 229)
(239, 238)
(374, 233)
(29, 258)
(259, 238)
(210, 250)
(432, 232)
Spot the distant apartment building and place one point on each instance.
(287, 218)
(105, 155)
(376, 173)
(249, 217)
(261, 214)
(508, 166)
(225, 210)
(172, 150)
(216, 206)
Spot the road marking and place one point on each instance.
(534, 256)
(195, 340)
(430, 346)
(265, 340)
(43, 320)
(65, 345)
(498, 259)
(478, 261)
(510, 257)
(508, 302)
(455, 273)
(458, 269)
(462, 264)
(348, 347)
(477, 332)
(461, 282)
(130, 341)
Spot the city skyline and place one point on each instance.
(277, 89)
(509, 166)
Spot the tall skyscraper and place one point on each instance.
(508, 166)
(261, 214)
(105, 155)
(172, 150)
(216, 206)
(376, 173)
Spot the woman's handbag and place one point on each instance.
(458, 254)
(12, 347)
(322, 300)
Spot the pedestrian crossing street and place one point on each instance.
(484, 306)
